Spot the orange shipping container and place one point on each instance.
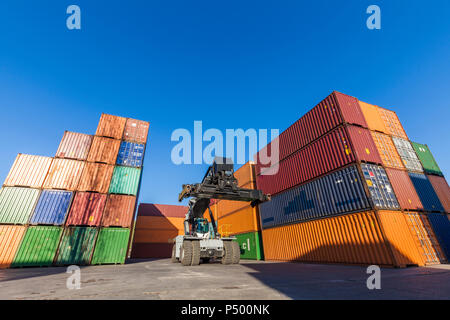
(165, 223)
(10, 238)
(136, 131)
(104, 150)
(119, 211)
(156, 236)
(392, 123)
(28, 171)
(373, 119)
(111, 126)
(243, 221)
(387, 150)
(96, 177)
(382, 120)
(74, 146)
(64, 174)
(381, 238)
(245, 175)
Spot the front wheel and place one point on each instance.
(174, 256)
(186, 253)
(236, 252)
(227, 257)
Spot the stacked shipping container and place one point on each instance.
(66, 207)
(342, 186)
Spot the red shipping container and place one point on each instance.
(119, 211)
(336, 149)
(162, 210)
(442, 190)
(151, 250)
(87, 209)
(334, 110)
(404, 189)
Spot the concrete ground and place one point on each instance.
(160, 279)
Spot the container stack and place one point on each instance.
(342, 191)
(156, 226)
(239, 219)
(78, 207)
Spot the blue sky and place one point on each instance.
(233, 64)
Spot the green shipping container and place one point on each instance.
(111, 247)
(38, 247)
(77, 245)
(17, 204)
(125, 180)
(251, 245)
(426, 158)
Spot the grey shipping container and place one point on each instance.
(407, 154)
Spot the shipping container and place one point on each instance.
(111, 246)
(160, 223)
(151, 250)
(425, 238)
(441, 227)
(250, 245)
(245, 175)
(407, 154)
(52, 207)
(104, 150)
(17, 204)
(380, 188)
(426, 192)
(76, 246)
(111, 126)
(429, 164)
(382, 120)
(336, 109)
(10, 238)
(242, 221)
(96, 177)
(125, 180)
(336, 193)
(64, 174)
(74, 146)
(87, 209)
(387, 150)
(156, 235)
(130, 154)
(28, 171)
(136, 130)
(404, 189)
(442, 190)
(119, 211)
(162, 210)
(351, 239)
(38, 247)
(332, 151)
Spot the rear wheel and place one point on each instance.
(186, 253)
(227, 257)
(195, 253)
(174, 256)
(236, 252)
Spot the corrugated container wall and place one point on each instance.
(111, 246)
(96, 177)
(17, 204)
(442, 190)
(77, 246)
(111, 126)
(52, 207)
(74, 146)
(380, 188)
(104, 150)
(387, 150)
(64, 174)
(441, 227)
(426, 192)
(407, 154)
(130, 154)
(125, 180)
(404, 189)
(242, 221)
(86, 209)
(10, 238)
(250, 245)
(161, 210)
(426, 158)
(119, 211)
(136, 130)
(28, 171)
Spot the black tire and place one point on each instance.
(186, 253)
(236, 252)
(227, 257)
(195, 253)
(174, 257)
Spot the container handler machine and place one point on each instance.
(201, 241)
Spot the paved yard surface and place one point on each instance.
(160, 279)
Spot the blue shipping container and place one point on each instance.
(130, 154)
(426, 192)
(52, 207)
(380, 188)
(441, 226)
(335, 193)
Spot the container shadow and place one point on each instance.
(30, 272)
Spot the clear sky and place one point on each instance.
(231, 64)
